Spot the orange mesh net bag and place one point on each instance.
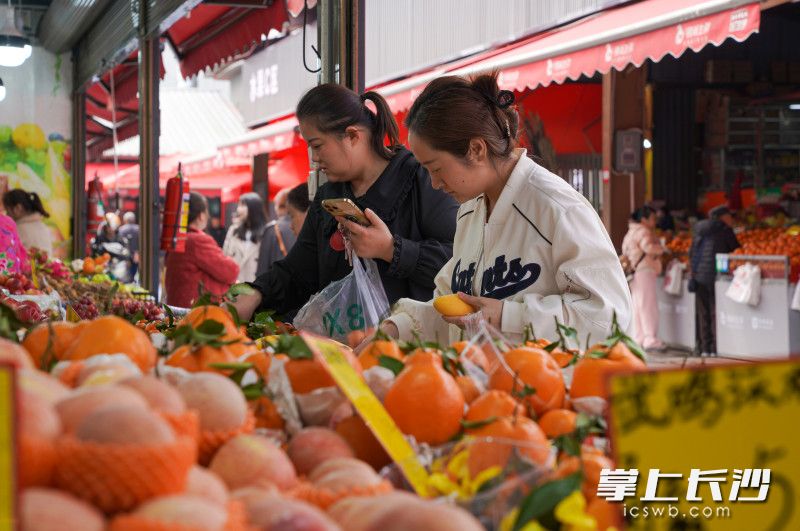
(186, 424)
(118, 477)
(237, 521)
(324, 497)
(37, 461)
(211, 441)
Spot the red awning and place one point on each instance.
(212, 35)
(98, 105)
(615, 38)
(220, 179)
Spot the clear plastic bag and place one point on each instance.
(356, 302)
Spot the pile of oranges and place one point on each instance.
(773, 241)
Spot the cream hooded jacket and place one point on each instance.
(543, 251)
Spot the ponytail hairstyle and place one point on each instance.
(453, 110)
(30, 201)
(333, 108)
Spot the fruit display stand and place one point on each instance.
(676, 316)
(768, 330)
(676, 313)
(224, 424)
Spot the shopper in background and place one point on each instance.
(202, 264)
(13, 256)
(280, 202)
(244, 237)
(411, 229)
(529, 249)
(129, 236)
(711, 236)
(26, 209)
(217, 231)
(643, 250)
(665, 222)
(279, 234)
(297, 206)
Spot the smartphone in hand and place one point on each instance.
(346, 209)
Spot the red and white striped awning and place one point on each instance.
(616, 38)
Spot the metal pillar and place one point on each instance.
(149, 128)
(328, 39)
(78, 172)
(351, 44)
(340, 38)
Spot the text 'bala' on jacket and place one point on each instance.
(543, 251)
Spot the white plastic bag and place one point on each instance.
(356, 302)
(746, 285)
(796, 298)
(673, 279)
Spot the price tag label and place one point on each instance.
(708, 447)
(371, 410)
(8, 445)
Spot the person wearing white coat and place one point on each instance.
(528, 249)
(243, 241)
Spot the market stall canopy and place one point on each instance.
(211, 35)
(616, 38)
(184, 129)
(99, 116)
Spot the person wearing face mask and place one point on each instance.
(643, 250)
(411, 225)
(243, 241)
(529, 249)
(202, 264)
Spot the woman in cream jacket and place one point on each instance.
(528, 249)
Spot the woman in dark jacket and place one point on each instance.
(412, 225)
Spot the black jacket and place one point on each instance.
(711, 236)
(424, 219)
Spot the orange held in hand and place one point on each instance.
(425, 401)
(452, 306)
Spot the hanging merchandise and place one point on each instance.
(176, 214)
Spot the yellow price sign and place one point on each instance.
(34, 275)
(371, 410)
(72, 315)
(8, 445)
(712, 448)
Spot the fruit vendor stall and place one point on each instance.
(117, 429)
(765, 328)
